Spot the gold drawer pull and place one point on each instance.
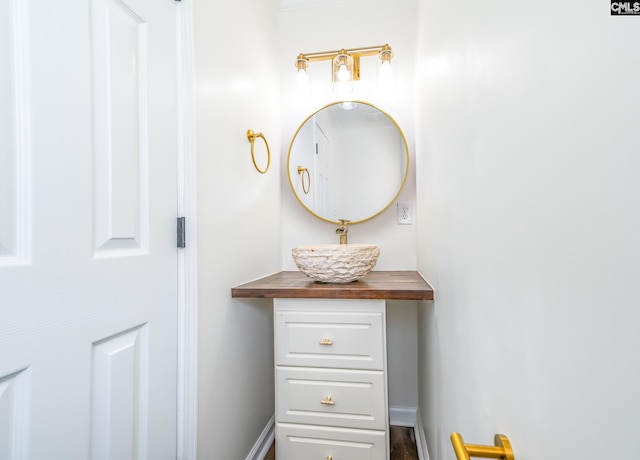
(502, 448)
(329, 457)
(328, 401)
(326, 342)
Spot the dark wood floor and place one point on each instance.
(403, 445)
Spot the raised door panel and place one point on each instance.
(345, 340)
(342, 398)
(14, 145)
(119, 396)
(119, 45)
(13, 415)
(297, 442)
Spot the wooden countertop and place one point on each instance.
(388, 285)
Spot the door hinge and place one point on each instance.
(181, 232)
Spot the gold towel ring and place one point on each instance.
(304, 171)
(252, 138)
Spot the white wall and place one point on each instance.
(351, 24)
(239, 231)
(529, 210)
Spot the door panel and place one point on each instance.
(13, 145)
(88, 265)
(13, 398)
(120, 138)
(119, 416)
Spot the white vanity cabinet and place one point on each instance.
(331, 361)
(331, 379)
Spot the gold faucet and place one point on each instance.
(342, 230)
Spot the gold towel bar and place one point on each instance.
(252, 138)
(502, 448)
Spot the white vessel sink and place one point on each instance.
(336, 263)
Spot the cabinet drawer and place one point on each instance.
(295, 442)
(331, 397)
(348, 340)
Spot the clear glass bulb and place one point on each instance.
(302, 79)
(343, 73)
(385, 74)
(302, 84)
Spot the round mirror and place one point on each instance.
(348, 160)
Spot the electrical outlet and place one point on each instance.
(404, 213)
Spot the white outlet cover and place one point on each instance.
(405, 212)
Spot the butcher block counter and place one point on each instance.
(387, 285)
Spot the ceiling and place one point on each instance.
(295, 4)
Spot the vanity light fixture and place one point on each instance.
(345, 62)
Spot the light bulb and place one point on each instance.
(343, 73)
(385, 74)
(302, 79)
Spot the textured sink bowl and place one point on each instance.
(336, 263)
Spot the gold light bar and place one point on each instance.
(384, 52)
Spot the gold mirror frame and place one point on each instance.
(386, 206)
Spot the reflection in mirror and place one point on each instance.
(356, 160)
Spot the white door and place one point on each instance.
(88, 296)
(323, 196)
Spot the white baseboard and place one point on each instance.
(403, 416)
(421, 439)
(264, 442)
